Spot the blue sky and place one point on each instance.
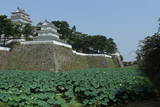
(126, 21)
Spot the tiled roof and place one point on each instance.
(20, 11)
(18, 17)
(48, 31)
(47, 24)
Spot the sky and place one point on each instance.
(126, 21)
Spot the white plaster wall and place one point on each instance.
(46, 42)
(20, 20)
(65, 45)
(54, 30)
(53, 35)
(83, 54)
(4, 49)
(15, 40)
(62, 44)
(48, 34)
(41, 34)
(49, 28)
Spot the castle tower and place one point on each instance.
(20, 16)
(48, 31)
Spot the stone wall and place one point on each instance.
(3, 59)
(49, 57)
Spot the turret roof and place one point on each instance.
(20, 11)
(47, 24)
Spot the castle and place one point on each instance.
(47, 36)
(47, 32)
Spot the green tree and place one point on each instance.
(64, 29)
(74, 28)
(98, 43)
(27, 30)
(148, 57)
(6, 27)
(17, 28)
(149, 53)
(110, 46)
(77, 41)
(84, 42)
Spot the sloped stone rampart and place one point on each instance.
(49, 57)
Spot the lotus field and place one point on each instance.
(83, 88)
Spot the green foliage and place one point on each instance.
(27, 30)
(84, 42)
(63, 29)
(74, 28)
(148, 57)
(8, 28)
(17, 30)
(93, 87)
(148, 54)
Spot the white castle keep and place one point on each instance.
(20, 16)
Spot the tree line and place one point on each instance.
(84, 42)
(80, 42)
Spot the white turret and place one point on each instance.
(20, 16)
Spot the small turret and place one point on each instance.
(47, 31)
